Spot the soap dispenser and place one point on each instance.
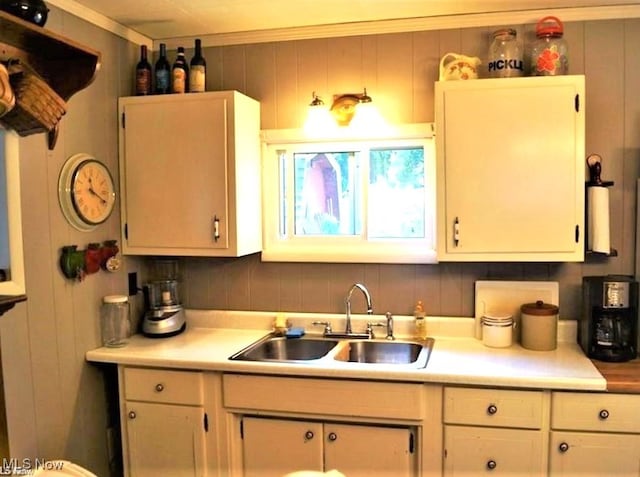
(419, 315)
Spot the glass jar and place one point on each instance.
(505, 55)
(114, 321)
(549, 51)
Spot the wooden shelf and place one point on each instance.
(66, 65)
(8, 302)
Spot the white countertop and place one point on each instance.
(457, 357)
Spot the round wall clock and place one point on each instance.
(86, 192)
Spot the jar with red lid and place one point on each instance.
(549, 52)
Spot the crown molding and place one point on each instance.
(444, 22)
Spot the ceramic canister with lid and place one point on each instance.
(497, 330)
(539, 326)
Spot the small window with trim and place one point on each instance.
(349, 200)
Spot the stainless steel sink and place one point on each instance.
(386, 352)
(274, 348)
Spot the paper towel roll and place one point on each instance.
(598, 219)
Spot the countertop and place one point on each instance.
(621, 377)
(457, 357)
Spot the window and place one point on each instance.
(349, 200)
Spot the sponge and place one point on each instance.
(295, 332)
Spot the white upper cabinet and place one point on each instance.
(510, 169)
(190, 174)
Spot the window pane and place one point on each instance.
(396, 193)
(327, 193)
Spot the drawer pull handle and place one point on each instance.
(603, 414)
(308, 435)
(333, 437)
(563, 447)
(132, 414)
(492, 409)
(159, 387)
(492, 465)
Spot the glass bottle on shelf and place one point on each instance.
(143, 73)
(162, 72)
(197, 70)
(180, 73)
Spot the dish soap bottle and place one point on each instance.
(420, 321)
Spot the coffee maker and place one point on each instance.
(164, 314)
(609, 326)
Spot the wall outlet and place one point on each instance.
(133, 283)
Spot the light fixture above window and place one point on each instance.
(354, 111)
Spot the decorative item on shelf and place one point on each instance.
(38, 108)
(76, 264)
(34, 11)
(454, 66)
(549, 51)
(597, 197)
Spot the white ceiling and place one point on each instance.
(163, 19)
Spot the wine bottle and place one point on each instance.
(197, 70)
(180, 73)
(162, 72)
(143, 73)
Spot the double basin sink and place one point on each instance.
(312, 349)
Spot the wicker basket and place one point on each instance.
(38, 107)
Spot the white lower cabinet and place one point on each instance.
(163, 423)
(594, 435)
(360, 428)
(275, 447)
(491, 430)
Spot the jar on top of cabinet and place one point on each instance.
(549, 51)
(505, 55)
(114, 321)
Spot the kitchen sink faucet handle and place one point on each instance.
(326, 324)
(370, 326)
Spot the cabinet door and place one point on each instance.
(275, 447)
(175, 173)
(590, 454)
(476, 450)
(164, 439)
(364, 450)
(511, 169)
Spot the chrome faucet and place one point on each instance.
(363, 289)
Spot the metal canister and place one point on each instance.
(549, 52)
(505, 55)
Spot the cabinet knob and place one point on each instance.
(492, 465)
(332, 436)
(492, 409)
(159, 387)
(308, 435)
(132, 414)
(603, 414)
(563, 447)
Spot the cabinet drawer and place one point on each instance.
(473, 451)
(159, 385)
(325, 396)
(595, 412)
(493, 407)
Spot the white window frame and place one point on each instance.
(338, 249)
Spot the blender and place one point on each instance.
(164, 315)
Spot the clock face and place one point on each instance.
(86, 192)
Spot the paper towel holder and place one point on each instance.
(594, 163)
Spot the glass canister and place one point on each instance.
(114, 321)
(549, 52)
(505, 55)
